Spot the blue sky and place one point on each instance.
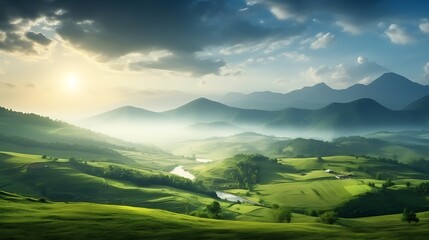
(96, 55)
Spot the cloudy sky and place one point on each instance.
(71, 59)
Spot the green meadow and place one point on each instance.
(92, 194)
(26, 218)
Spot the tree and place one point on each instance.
(408, 184)
(214, 208)
(409, 216)
(319, 159)
(284, 215)
(387, 184)
(423, 187)
(329, 217)
(44, 156)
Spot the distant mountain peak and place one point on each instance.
(201, 104)
(321, 85)
(129, 109)
(391, 78)
(203, 101)
(317, 87)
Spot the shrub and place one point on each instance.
(284, 215)
(409, 216)
(329, 217)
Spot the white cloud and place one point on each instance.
(266, 47)
(424, 27)
(398, 35)
(2, 36)
(343, 75)
(327, 73)
(349, 27)
(278, 45)
(240, 49)
(280, 13)
(426, 69)
(296, 56)
(361, 60)
(322, 40)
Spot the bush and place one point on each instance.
(214, 208)
(284, 215)
(329, 217)
(312, 212)
(387, 184)
(423, 187)
(409, 216)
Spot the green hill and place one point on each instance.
(219, 148)
(26, 218)
(101, 182)
(240, 171)
(311, 183)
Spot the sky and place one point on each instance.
(74, 59)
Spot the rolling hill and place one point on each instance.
(54, 220)
(44, 129)
(390, 89)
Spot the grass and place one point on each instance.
(322, 194)
(61, 181)
(302, 183)
(23, 219)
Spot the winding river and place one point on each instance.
(232, 197)
(179, 171)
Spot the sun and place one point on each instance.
(72, 81)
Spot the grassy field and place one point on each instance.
(303, 183)
(23, 218)
(61, 181)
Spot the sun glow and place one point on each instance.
(72, 82)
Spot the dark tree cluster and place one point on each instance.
(421, 165)
(409, 216)
(212, 210)
(423, 187)
(329, 217)
(388, 183)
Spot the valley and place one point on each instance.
(66, 176)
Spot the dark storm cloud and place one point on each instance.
(12, 42)
(111, 29)
(14, 10)
(38, 38)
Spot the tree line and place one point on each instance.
(120, 173)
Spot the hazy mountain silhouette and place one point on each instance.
(124, 114)
(356, 115)
(421, 104)
(205, 110)
(390, 89)
(365, 115)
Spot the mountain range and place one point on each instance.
(356, 117)
(390, 89)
